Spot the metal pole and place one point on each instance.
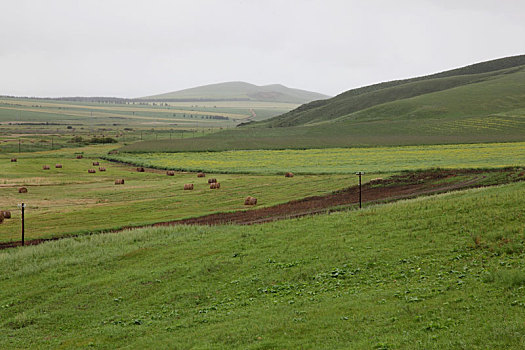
(360, 173)
(23, 229)
(360, 190)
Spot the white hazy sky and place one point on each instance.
(137, 48)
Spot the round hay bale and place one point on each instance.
(45, 167)
(215, 185)
(212, 181)
(170, 173)
(92, 171)
(188, 187)
(80, 156)
(140, 170)
(288, 174)
(101, 168)
(201, 175)
(58, 166)
(96, 163)
(250, 200)
(13, 160)
(119, 182)
(7, 214)
(22, 190)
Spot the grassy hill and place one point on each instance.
(484, 102)
(238, 90)
(359, 99)
(448, 275)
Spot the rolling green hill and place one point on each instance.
(484, 102)
(238, 90)
(359, 99)
(449, 275)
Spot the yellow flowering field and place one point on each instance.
(337, 160)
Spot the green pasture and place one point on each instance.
(499, 127)
(441, 272)
(144, 114)
(68, 201)
(128, 110)
(336, 160)
(71, 201)
(33, 138)
(29, 125)
(262, 110)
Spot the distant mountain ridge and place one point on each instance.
(238, 90)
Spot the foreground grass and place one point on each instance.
(337, 160)
(436, 272)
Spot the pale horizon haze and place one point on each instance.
(139, 48)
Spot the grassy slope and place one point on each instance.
(242, 90)
(449, 275)
(358, 99)
(349, 104)
(479, 107)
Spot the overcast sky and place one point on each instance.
(137, 48)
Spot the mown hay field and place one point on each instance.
(69, 200)
(336, 160)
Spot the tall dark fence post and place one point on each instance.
(23, 206)
(360, 173)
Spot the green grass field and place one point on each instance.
(433, 273)
(337, 160)
(71, 201)
(436, 272)
(29, 125)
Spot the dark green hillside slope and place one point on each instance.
(369, 96)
